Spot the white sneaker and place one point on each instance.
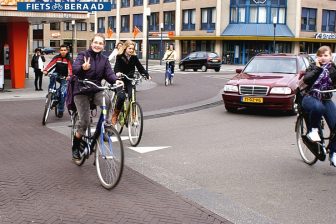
(333, 159)
(314, 135)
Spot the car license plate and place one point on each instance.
(252, 99)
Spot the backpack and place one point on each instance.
(69, 99)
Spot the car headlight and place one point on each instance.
(281, 90)
(230, 88)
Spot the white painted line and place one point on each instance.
(148, 149)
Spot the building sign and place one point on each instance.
(64, 5)
(325, 36)
(56, 35)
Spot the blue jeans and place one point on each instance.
(62, 93)
(316, 109)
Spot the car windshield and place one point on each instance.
(272, 65)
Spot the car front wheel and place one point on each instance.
(182, 67)
(204, 68)
(217, 69)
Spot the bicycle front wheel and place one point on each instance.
(135, 124)
(109, 157)
(47, 109)
(301, 130)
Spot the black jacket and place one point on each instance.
(127, 66)
(34, 61)
(313, 72)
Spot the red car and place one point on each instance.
(268, 81)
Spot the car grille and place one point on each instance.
(253, 90)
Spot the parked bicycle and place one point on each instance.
(131, 114)
(52, 98)
(310, 151)
(105, 143)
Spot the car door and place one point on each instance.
(200, 60)
(190, 63)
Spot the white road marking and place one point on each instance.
(148, 149)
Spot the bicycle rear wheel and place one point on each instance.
(301, 130)
(47, 109)
(109, 157)
(135, 124)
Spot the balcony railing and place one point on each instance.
(188, 26)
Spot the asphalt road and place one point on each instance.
(244, 167)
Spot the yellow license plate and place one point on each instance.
(252, 99)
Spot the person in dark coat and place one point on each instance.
(94, 66)
(321, 75)
(126, 61)
(37, 63)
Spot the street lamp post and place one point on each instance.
(274, 26)
(148, 13)
(161, 28)
(72, 37)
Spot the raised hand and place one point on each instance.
(86, 65)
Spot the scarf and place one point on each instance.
(40, 63)
(323, 82)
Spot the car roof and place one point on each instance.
(281, 55)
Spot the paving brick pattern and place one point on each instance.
(40, 184)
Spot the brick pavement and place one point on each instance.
(40, 184)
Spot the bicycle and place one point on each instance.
(168, 74)
(310, 151)
(134, 123)
(52, 98)
(105, 143)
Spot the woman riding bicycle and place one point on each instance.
(126, 61)
(321, 75)
(93, 65)
(170, 57)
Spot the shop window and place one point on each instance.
(55, 43)
(188, 19)
(81, 45)
(308, 19)
(208, 18)
(328, 21)
(125, 24)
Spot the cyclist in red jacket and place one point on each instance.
(61, 64)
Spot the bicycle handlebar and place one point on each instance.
(324, 91)
(133, 79)
(109, 87)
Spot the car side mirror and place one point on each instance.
(239, 70)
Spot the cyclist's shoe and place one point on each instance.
(314, 135)
(167, 81)
(115, 116)
(75, 148)
(332, 159)
(60, 114)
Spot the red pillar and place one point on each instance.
(17, 38)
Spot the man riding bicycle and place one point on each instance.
(320, 76)
(61, 65)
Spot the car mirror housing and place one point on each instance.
(239, 70)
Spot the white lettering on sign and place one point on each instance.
(325, 36)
